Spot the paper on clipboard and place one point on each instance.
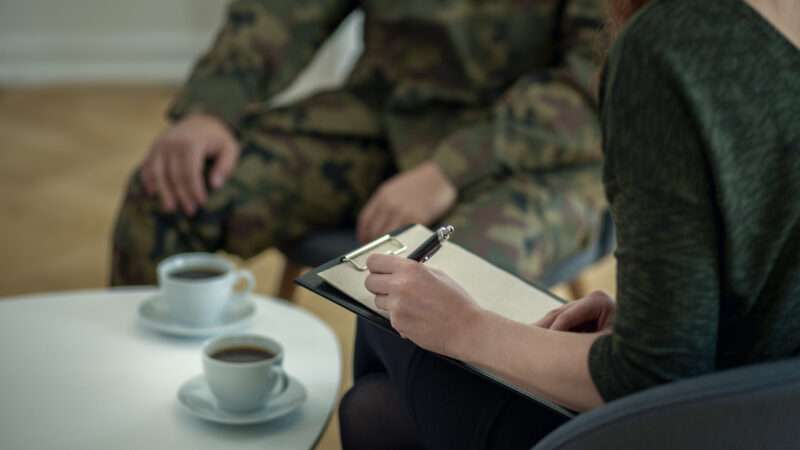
(491, 287)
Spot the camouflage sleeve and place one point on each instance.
(261, 48)
(547, 118)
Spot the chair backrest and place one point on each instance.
(749, 408)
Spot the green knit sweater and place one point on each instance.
(701, 114)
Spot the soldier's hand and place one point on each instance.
(173, 168)
(421, 195)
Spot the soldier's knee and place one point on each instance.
(135, 195)
(134, 214)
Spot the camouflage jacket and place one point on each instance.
(472, 84)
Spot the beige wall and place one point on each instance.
(115, 40)
(84, 40)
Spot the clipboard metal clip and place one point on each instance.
(399, 247)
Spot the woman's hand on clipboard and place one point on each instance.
(592, 313)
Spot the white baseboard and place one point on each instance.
(43, 58)
(38, 73)
(121, 57)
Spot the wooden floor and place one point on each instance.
(66, 154)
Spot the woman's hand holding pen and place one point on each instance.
(424, 304)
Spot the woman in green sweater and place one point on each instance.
(701, 116)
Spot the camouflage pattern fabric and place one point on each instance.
(289, 182)
(424, 61)
(499, 94)
(525, 224)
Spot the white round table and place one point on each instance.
(78, 372)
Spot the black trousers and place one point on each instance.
(446, 406)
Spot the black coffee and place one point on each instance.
(196, 273)
(242, 354)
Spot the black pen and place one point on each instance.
(427, 249)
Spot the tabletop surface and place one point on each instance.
(78, 372)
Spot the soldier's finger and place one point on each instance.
(146, 175)
(223, 165)
(158, 167)
(174, 180)
(379, 222)
(365, 218)
(192, 177)
(396, 221)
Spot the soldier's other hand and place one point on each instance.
(421, 195)
(173, 169)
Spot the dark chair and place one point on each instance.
(325, 245)
(750, 408)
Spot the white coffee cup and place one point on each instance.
(201, 300)
(242, 387)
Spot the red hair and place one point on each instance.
(621, 11)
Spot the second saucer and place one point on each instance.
(153, 314)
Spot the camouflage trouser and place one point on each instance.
(288, 184)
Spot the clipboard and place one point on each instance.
(312, 281)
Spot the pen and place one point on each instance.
(427, 249)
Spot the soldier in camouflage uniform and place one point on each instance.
(498, 95)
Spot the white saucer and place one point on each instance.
(195, 396)
(153, 315)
